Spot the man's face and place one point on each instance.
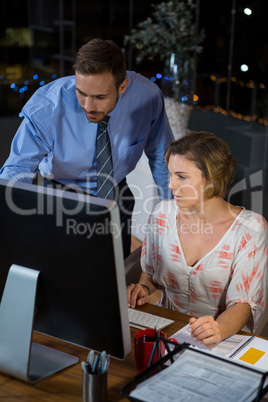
(97, 94)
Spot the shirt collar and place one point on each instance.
(116, 111)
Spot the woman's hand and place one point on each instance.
(137, 295)
(211, 332)
(205, 330)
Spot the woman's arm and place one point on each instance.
(139, 295)
(247, 290)
(211, 332)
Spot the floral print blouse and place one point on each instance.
(234, 271)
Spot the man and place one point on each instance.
(61, 121)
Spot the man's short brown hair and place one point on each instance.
(100, 56)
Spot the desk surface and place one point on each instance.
(67, 385)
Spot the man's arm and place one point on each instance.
(157, 145)
(27, 150)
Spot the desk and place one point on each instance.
(67, 385)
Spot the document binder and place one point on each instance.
(184, 352)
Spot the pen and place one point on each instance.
(95, 364)
(157, 333)
(90, 358)
(102, 362)
(107, 364)
(86, 368)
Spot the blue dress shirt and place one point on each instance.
(56, 137)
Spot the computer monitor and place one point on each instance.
(70, 245)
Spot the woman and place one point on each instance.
(207, 256)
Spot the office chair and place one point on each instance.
(132, 266)
(262, 329)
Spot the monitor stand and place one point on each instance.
(19, 356)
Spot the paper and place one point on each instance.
(249, 350)
(225, 348)
(254, 354)
(200, 378)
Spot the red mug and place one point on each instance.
(143, 344)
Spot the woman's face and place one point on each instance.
(186, 182)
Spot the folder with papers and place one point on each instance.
(249, 349)
(198, 375)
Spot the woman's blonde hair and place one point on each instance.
(212, 156)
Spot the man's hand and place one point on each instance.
(205, 330)
(137, 295)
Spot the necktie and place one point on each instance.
(105, 182)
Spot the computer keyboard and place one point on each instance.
(140, 319)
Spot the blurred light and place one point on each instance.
(26, 82)
(166, 78)
(35, 77)
(244, 67)
(54, 76)
(21, 90)
(20, 114)
(42, 83)
(247, 11)
(25, 88)
(195, 99)
(172, 60)
(159, 76)
(184, 99)
(153, 79)
(12, 86)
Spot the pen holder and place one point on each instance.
(94, 387)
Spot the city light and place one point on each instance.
(247, 11)
(244, 67)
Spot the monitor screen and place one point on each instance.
(74, 240)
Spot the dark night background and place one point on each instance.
(39, 39)
(30, 45)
